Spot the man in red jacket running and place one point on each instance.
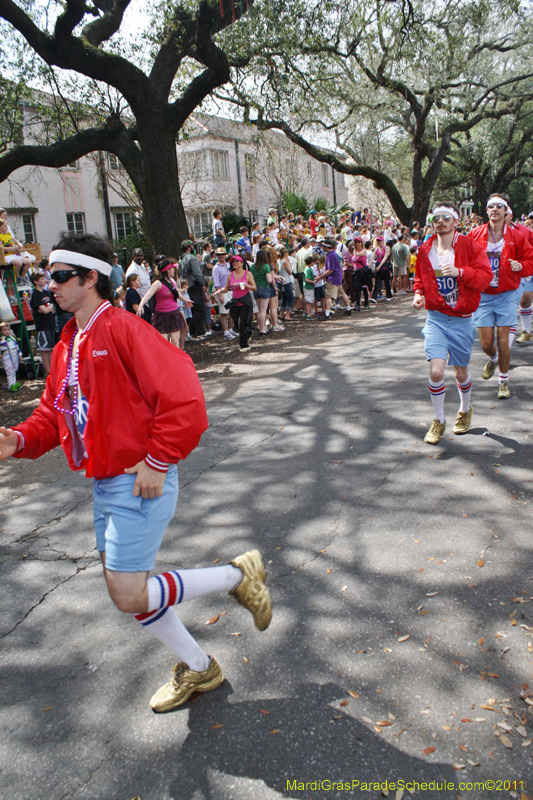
(451, 270)
(511, 259)
(126, 406)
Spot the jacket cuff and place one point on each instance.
(22, 441)
(154, 463)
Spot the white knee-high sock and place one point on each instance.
(171, 631)
(437, 392)
(180, 585)
(525, 319)
(464, 394)
(512, 334)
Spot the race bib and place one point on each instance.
(449, 289)
(494, 259)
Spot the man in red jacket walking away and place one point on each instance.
(451, 271)
(511, 259)
(126, 406)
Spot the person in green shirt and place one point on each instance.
(263, 279)
(309, 284)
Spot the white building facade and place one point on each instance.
(222, 164)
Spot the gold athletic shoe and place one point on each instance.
(503, 391)
(524, 337)
(463, 421)
(489, 369)
(184, 683)
(251, 591)
(434, 434)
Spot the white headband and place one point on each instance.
(79, 260)
(500, 200)
(445, 210)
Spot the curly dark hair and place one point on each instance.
(90, 244)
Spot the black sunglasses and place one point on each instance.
(64, 275)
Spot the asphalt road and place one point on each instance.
(400, 574)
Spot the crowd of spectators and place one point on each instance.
(259, 282)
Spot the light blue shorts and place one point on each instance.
(449, 337)
(497, 310)
(130, 529)
(526, 284)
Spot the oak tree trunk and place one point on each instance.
(160, 194)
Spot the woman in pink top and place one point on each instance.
(241, 282)
(167, 318)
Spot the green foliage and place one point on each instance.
(296, 204)
(232, 224)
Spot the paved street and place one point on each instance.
(400, 575)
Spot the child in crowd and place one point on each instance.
(13, 254)
(43, 312)
(412, 266)
(320, 285)
(133, 298)
(309, 285)
(10, 356)
(185, 310)
(218, 229)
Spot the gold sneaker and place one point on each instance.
(463, 421)
(251, 591)
(524, 337)
(503, 391)
(434, 434)
(489, 369)
(184, 683)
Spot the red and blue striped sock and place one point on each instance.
(464, 394)
(512, 334)
(525, 319)
(177, 586)
(437, 392)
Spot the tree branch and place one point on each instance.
(104, 27)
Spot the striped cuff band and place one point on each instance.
(22, 441)
(153, 463)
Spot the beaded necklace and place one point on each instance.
(72, 369)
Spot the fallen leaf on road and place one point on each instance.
(236, 634)
(339, 717)
(480, 719)
(214, 727)
(328, 571)
(263, 711)
(343, 703)
(366, 719)
(459, 766)
(446, 727)
(423, 613)
(353, 694)
(522, 731)
(344, 588)
(323, 551)
(216, 560)
(399, 794)
(378, 729)
(404, 638)
(473, 763)
(480, 562)
(212, 620)
(48, 708)
(463, 748)
(481, 641)
(384, 723)
(391, 716)
(428, 750)
(431, 594)
(466, 719)
(527, 743)
(245, 660)
(275, 730)
(506, 741)
(336, 462)
(424, 711)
